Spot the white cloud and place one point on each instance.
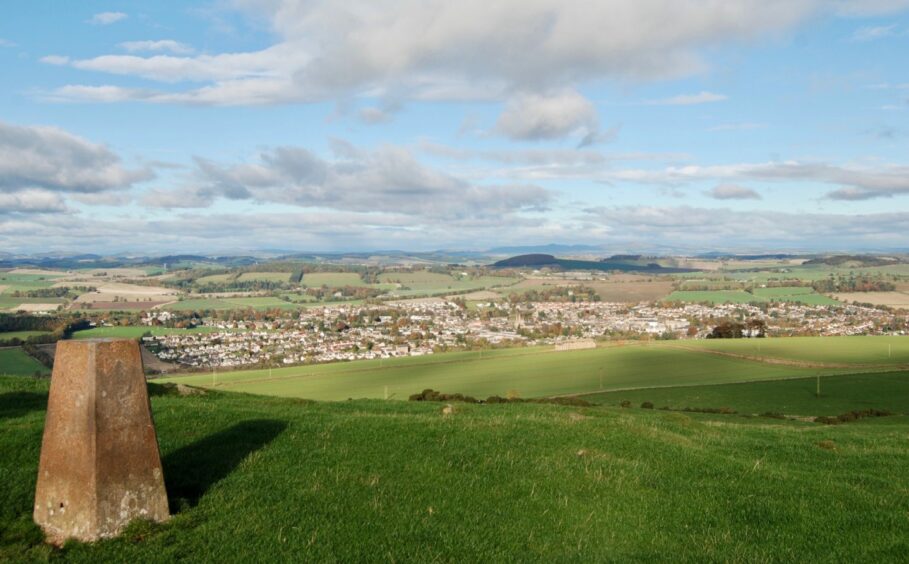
(854, 183)
(107, 18)
(422, 49)
(31, 201)
(704, 228)
(57, 60)
(388, 180)
(733, 192)
(52, 159)
(689, 99)
(6, 43)
(532, 117)
(157, 46)
(872, 33)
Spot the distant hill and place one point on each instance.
(538, 260)
(550, 249)
(854, 260)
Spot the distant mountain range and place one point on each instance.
(625, 263)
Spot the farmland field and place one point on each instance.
(15, 362)
(530, 372)
(713, 296)
(7, 335)
(136, 332)
(891, 299)
(828, 350)
(798, 294)
(332, 279)
(429, 283)
(839, 394)
(260, 303)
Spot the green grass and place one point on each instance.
(332, 279)
(532, 372)
(15, 362)
(714, 296)
(783, 291)
(792, 294)
(839, 394)
(845, 350)
(199, 305)
(25, 282)
(23, 335)
(273, 480)
(433, 283)
(260, 303)
(136, 332)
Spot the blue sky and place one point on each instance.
(673, 125)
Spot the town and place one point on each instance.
(432, 325)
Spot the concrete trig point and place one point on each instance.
(100, 466)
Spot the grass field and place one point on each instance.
(15, 362)
(784, 294)
(839, 394)
(713, 296)
(7, 335)
(844, 350)
(254, 479)
(433, 283)
(531, 372)
(136, 332)
(24, 282)
(265, 276)
(260, 303)
(332, 279)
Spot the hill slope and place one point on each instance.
(269, 479)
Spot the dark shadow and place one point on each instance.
(17, 404)
(190, 471)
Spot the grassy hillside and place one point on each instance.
(15, 362)
(269, 479)
(839, 394)
(531, 372)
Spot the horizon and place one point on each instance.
(237, 127)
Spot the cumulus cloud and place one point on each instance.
(533, 117)
(471, 49)
(387, 180)
(724, 228)
(31, 201)
(733, 192)
(52, 159)
(703, 97)
(157, 46)
(855, 183)
(107, 18)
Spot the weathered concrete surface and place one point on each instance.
(100, 467)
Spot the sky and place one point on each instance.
(232, 126)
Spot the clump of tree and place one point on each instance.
(737, 330)
(853, 283)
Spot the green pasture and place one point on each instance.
(424, 282)
(15, 362)
(530, 372)
(133, 332)
(839, 394)
(255, 479)
(23, 335)
(332, 279)
(25, 282)
(858, 350)
(264, 276)
(713, 296)
(783, 291)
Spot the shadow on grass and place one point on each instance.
(190, 471)
(17, 404)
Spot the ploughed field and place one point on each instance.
(253, 478)
(541, 371)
